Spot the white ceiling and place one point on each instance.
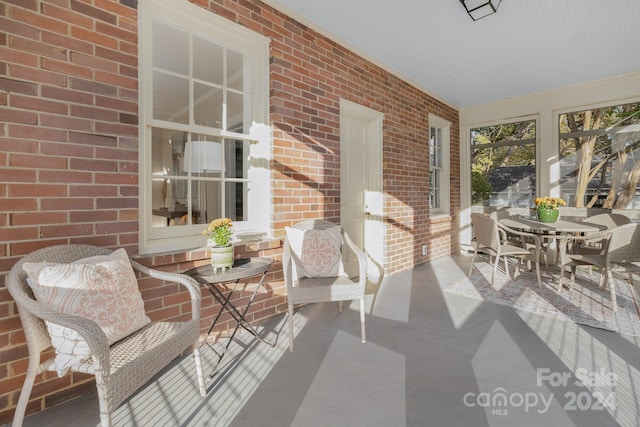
(528, 46)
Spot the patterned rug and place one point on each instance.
(587, 303)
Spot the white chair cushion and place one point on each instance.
(102, 288)
(316, 253)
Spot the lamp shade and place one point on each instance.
(480, 8)
(206, 156)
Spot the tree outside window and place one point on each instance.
(600, 157)
(503, 164)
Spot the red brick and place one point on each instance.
(99, 39)
(67, 68)
(19, 43)
(69, 43)
(37, 75)
(38, 104)
(17, 175)
(36, 190)
(93, 113)
(114, 31)
(26, 218)
(93, 12)
(65, 122)
(38, 20)
(67, 15)
(128, 57)
(65, 94)
(65, 176)
(18, 116)
(36, 133)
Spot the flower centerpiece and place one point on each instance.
(547, 208)
(219, 234)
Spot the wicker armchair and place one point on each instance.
(324, 289)
(119, 369)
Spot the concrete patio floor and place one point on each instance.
(431, 359)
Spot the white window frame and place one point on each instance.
(255, 47)
(444, 199)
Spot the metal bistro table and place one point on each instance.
(244, 268)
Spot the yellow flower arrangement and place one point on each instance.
(549, 202)
(220, 231)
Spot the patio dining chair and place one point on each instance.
(312, 262)
(103, 283)
(524, 241)
(593, 245)
(491, 238)
(620, 251)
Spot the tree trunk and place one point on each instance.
(586, 154)
(629, 189)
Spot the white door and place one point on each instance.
(361, 199)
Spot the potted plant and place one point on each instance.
(547, 208)
(219, 235)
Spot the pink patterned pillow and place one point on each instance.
(316, 253)
(102, 288)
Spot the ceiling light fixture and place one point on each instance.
(478, 9)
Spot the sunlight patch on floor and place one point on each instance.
(393, 297)
(460, 309)
(335, 395)
(579, 350)
(507, 385)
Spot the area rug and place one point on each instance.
(586, 304)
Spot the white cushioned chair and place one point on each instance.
(334, 287)
(119, 369)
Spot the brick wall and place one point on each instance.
(69, 151)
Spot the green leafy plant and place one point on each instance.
(220, 231)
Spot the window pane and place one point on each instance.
(434, 188)
(170, 48)
(208, 61)
(503, 171)
(235, 111)
(235, 206)
(170, 98)
(432, 146)
(237, 158)
(207, 105)
(210, 198)
(599, 151)
(235, 66)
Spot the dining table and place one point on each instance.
(556, 233)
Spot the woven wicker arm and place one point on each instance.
(187, 281)
(119, 369)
